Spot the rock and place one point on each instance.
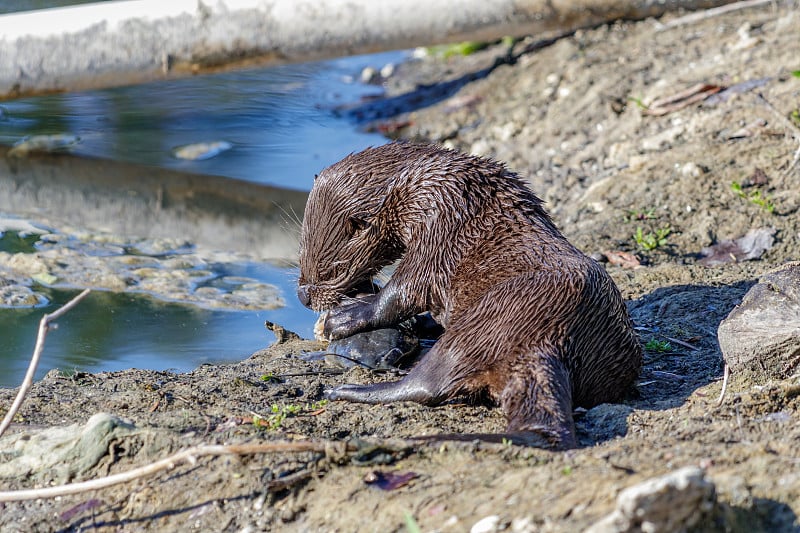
(59, 142)
(674, 502)
(486, 525)
(691, 170)
(59, 454)
(17, 296)
(761, 336)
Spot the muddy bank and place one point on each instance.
(570, 116)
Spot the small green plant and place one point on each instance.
(316, 406)
(796, 73)
(270, 377)
(640, 214)
(507, 442)
(651, 240)
(795, 117)
(411, 524)
(279, 413)
(274, 420)
(567, 470)
(655, 345)
(639, 102)
(464, 49)
(756, 197)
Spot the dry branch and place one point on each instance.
(44, 327)
(713, 12)
(794, 131)
(725, 379)
(187, 456)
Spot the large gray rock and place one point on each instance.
(761, 336)
(675, 502)
(60, 453)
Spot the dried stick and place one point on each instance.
(709, 13)
(794, 131)
(725, 378)
(187, 456)
(44, 327)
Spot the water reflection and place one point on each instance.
(111, 331)
(279, 120)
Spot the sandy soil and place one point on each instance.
(570, 116)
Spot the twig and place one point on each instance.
(668, 104)
(724, 384)
(709, 13)
(44, 327)
(682, 343)
(794, 162)
(671, 339)
(793, 128)
(187, 456)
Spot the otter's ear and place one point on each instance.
(357, 223)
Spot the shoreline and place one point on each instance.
(566, 117)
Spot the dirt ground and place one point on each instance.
(571, 116)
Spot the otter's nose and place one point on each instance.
(302, 295)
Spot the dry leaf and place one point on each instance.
(622, 259)
(750, 246)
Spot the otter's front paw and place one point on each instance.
(352, 393)
(347, 320)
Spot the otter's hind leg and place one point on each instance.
(430, 382)
(537, 402)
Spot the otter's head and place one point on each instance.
(345, 239)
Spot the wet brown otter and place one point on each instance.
(528, 318)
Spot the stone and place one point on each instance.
(486, 525)
(677, 501)
(760, 338)
(59, 454)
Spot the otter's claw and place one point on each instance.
(348, 319)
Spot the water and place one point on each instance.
(281, 121)
(283, 127)
(113, 331)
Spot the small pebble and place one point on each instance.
(486, 525)
(691, 170)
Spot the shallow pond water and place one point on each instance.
(283, 127)
(113, 331)
(280, 122)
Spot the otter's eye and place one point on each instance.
(355, 224)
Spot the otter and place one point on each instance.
(529, 320)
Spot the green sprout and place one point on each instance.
(655, 345)
(279, 413)
(640, 214)
(464, 49)
(270, 377)
(652, 240)
(411, 524)
(756, 197)
(639, 102)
